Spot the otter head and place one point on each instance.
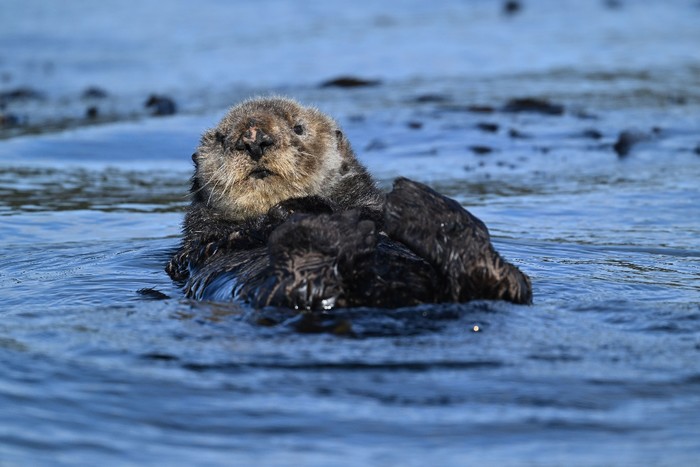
(264, 151)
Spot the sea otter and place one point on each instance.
(283, 214)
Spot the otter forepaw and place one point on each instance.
(281, 211)
(337, 235)
(314, 258)
(177, 267)
(455, 242)
(431, 224)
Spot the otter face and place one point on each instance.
(265, 151)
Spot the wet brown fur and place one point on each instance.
(315, 233)
(301, 165)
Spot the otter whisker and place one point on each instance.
(216, 175)
(226, 189)
(192, 193)
(210, 176)
(213, 190)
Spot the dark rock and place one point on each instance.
(161, 105)
(349, 82)
(94, 93)
(431, 98)
(415, 125)
(375, 145)
(533, 105)
(613, 4)
(20, 94)
(481, 150)
(627, 139)
(91, 113)
(10, 121)
(480, 109)
(159, 356)
(488, 127)
(511, 7)
(152, 294)
(678, 100)
(516, 134)
(584, 115)
(592, 133)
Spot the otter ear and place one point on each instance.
(342, 141)
(212, 137)
(195, 156)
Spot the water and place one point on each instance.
(602, 369)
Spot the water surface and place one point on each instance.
(602, 369)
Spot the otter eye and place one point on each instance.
(298, 129)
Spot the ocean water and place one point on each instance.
(601, 370)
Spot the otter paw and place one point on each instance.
(431, 224)
(455, 242)
(177, 267)
(313, 259)
(281, 211)
(337, 235)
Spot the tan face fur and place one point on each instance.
(264, 151)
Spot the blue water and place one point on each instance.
(601, 370)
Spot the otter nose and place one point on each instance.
(254, 141)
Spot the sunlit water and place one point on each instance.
(602, 369)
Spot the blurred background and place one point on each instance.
(62, 58)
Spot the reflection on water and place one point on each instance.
(52, 189)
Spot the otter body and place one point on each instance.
(283, 214)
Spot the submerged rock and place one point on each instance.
(533, 105)
(92, 113)
(375, 145)
(592, 133)
(94, 92)
(414, 125)
(349, 82)
(430, 98)
(517, 134)
(481, 150)
(21, 93)
(152, 294)
(512, 7)
(9, 120)
(627, 139)
(161, 105)
(613, 4)
(488, 127)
